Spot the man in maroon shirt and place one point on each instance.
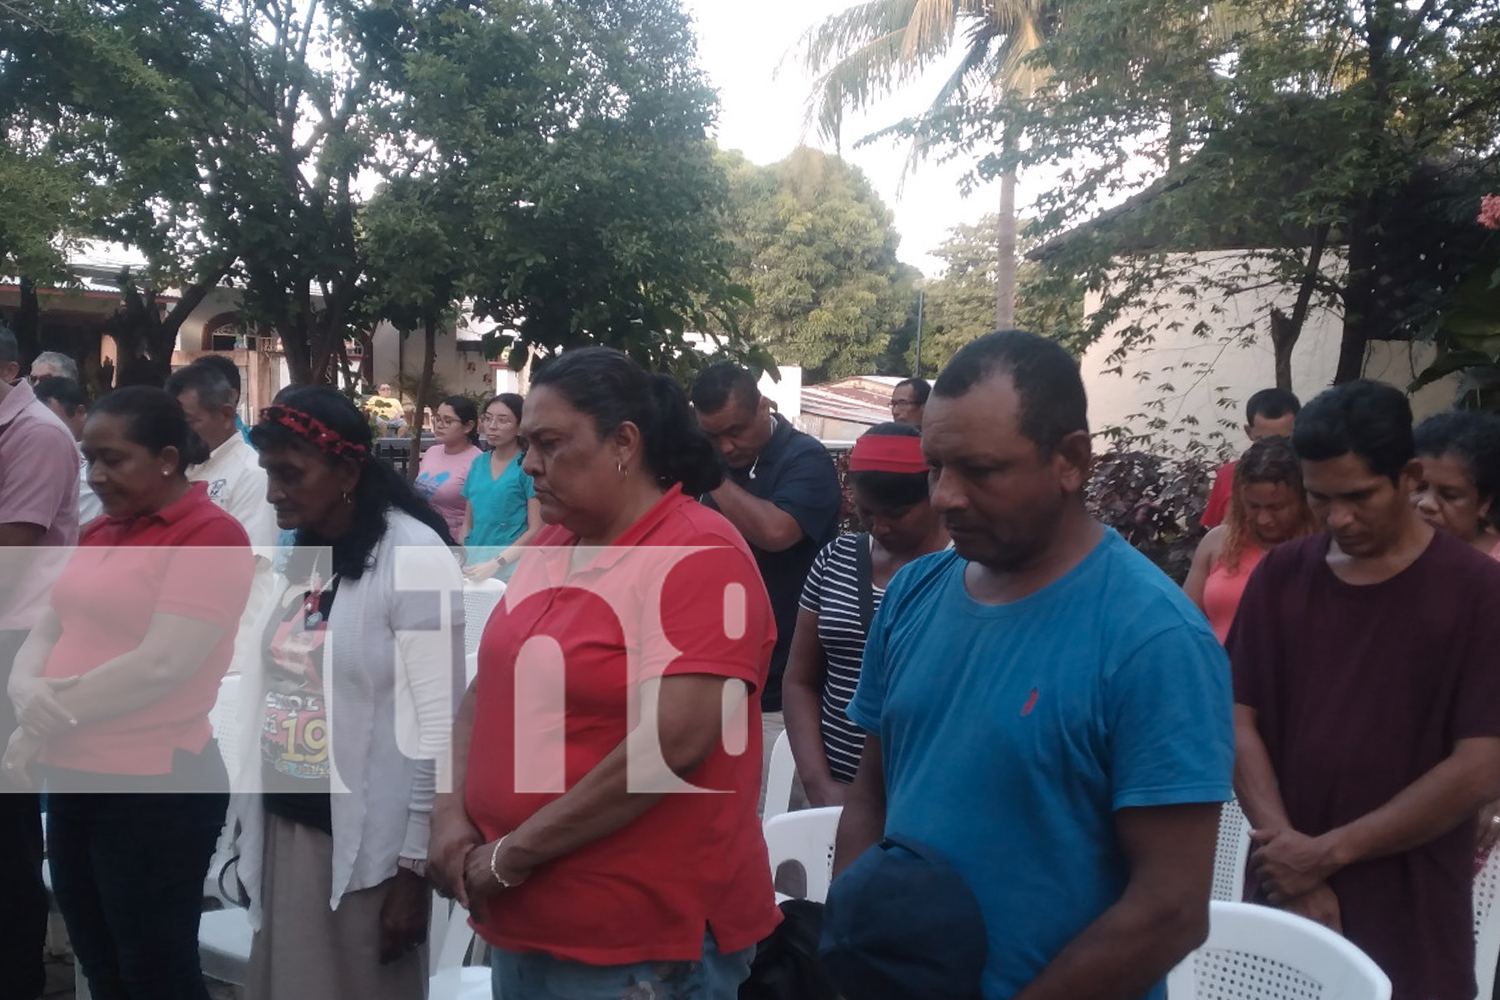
(1367, 703)
(1269, 412)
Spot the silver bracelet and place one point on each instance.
(495, 853)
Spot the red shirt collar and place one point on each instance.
(195, 497)
(638, 533)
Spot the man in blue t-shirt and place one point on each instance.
(1045, 708)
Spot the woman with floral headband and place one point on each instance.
(888, 478)
(333, 851)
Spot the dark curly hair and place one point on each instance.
(1471, 436)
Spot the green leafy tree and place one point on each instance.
(1336, 145)
(242, 141)
(868, 51)
(591, 204)
(816, 247)
(959, 305)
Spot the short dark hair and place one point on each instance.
(1471, 436)
(155, 422)
(1363, 418)
(68, 394)
(1273, 404)
(612, 389)
(10, 348)
(224, 366)
(892, 489)
(715, 385)
(1046, 378)
(206, 381)
(920, 388)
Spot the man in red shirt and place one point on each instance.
(1269, 412)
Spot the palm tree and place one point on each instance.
(869, 50)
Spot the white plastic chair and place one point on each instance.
(1487, 924)
(450, 940)
(225, 719)
(1231, 854)
(480, 600)
(779, 777)
(224, 950)
(807, 838)
(1260, 953)
(224, 944)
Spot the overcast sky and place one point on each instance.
(748, 50)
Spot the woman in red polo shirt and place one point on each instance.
(606, 837)
(113, 690)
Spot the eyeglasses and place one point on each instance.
(443, 421)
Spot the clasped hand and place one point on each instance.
(37, 709)
(1289, 864)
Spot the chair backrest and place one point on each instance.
(1231, 854)
(806, 837)
(779, 778)
(1267, 954)
(448, 935)
(479, 600)
(1487, 923)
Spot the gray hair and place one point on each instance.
(66, 366)
(213, 389)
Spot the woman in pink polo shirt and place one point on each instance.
(113, 690)
(588, 841)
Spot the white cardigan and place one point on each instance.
(381, 642)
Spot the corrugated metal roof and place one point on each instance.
(850, 405)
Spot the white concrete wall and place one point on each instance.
(1209, 378)
(461, 372)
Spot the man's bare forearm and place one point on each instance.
(764, 525)
(1255, 782)
(1447, 795)
(862, 822)
(1124, 953)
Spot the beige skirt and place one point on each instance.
(303, 949)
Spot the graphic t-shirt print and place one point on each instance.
(294, 735)
(428, 484)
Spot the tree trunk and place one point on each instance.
(1287, 330)
(1005, 272)
(28, 328)
(1283, 338)
(146, 338)
(424, 385)
(1359, 296)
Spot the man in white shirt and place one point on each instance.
(236, 482)
(66, 399)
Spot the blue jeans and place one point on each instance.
(531, 976)
(128, 871)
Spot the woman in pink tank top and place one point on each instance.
(1268, 507)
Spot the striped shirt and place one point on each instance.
(832, 593)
